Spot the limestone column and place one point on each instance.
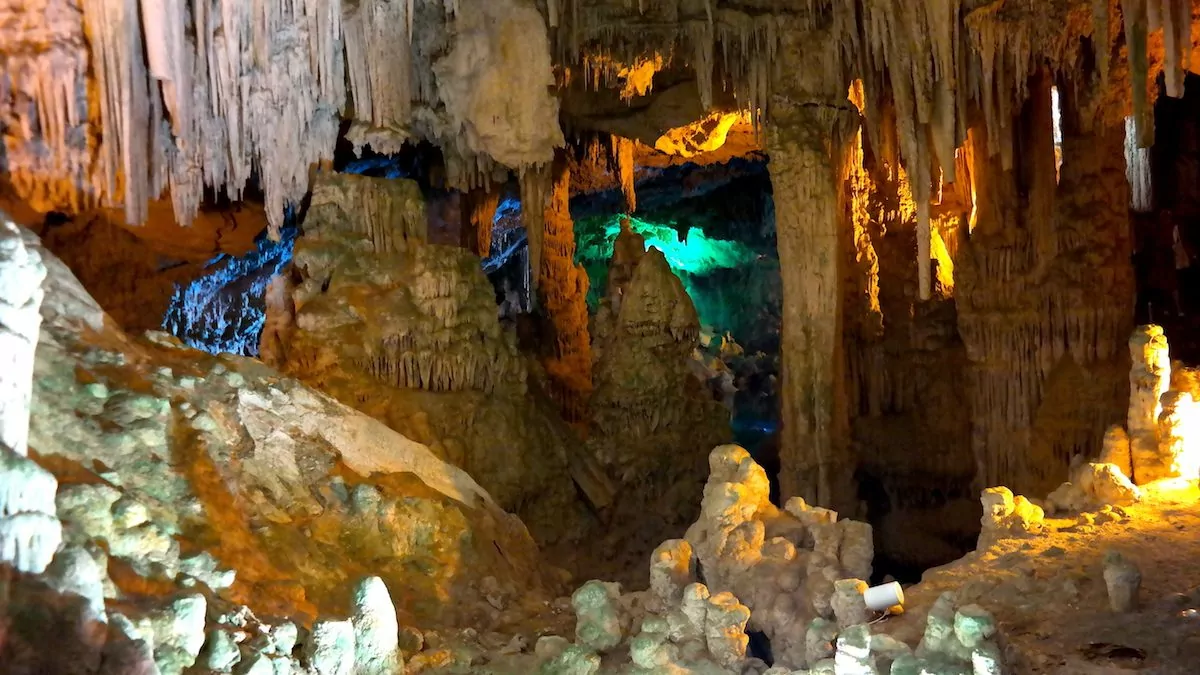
(808, 139)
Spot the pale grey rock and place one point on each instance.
(972, 625)
(1123, 580)
(329, 649)
(574, 660)
(376, 631)
(848, 603)
(598, 624)
(221, 652)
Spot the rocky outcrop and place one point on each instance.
(408, 332)
(746, 566)
(157, 444)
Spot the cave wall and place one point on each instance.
(1046, 288)
(906, 375)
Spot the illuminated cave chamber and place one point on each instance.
(480, 291)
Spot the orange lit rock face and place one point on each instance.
(635, 79)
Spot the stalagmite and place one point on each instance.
(623, 149)
(1149, 379)
(373, 298)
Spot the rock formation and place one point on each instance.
(563, 297)
(408, 332)
(648, 413)
(1008, 147)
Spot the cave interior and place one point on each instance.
(362, 337)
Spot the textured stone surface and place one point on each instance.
(272, 475)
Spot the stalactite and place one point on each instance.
(536, 183)
(379, 61)
(1135, 15)
(701, 35)
(563, 295)
(125, 101)
(1176, 17)
(623, 153)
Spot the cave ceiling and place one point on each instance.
(108, 103)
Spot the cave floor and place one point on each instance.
(1048, 594)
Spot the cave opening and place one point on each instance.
(715, 225)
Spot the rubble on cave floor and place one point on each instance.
(1048, 592)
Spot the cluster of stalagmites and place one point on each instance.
(373, 296)
(29, 530)
(1159, 441)
(748, 566)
